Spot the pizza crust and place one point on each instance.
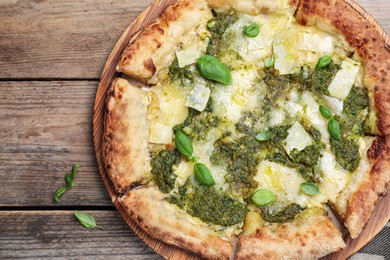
(255, 7)
(170, 224)
(309, 236)
(154, 47)
(125, 140)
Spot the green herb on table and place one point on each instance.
(252, 30)
(309, 188)
(211, 68)
(86, 219)
(69, 179)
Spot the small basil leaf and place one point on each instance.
(264, 136)
(211, 68)
(183, 144)
(203, 174)
(74, 168)
(69, 181)
(263, 197)
(252, 30)
(58, 193)
(334, 128)
(323, 62)
(86, 219)
(325, 112)
(269, 62)
(309, 188)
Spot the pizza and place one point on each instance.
(239, 127)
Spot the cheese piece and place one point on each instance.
(198, 97)
(276, 117)
(334, 104)
(188, 56)
(312, 114)
(286, 60)
(283, 181)
(183, 170)
(297, 138)
(160, 133)
(344, 79)
(317, 42)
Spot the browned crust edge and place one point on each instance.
(122, 158)
(317, 237)
(141, 205)
(375, 55)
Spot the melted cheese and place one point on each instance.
(198, 97)
(297, 138)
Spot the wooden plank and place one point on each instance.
(39, 234)
(72, 39)
(61, 39)
(46, 127)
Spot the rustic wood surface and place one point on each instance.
(51, 57)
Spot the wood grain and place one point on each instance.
(39, 234)
(46, 127)
(72, 39)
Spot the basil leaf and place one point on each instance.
(59, 192)
(325, 112)
(211, 68)
(183, 144)
(69, 181)
(334, 128)
(264, 136)
(203, 174)
(269, 62)
(86, 219)
(263, 197)
(252, 30)
(74, 168)
(309, 188)
(323, 62)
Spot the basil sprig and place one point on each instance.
(323, 62)
(211, 68)
(203, 174)
(252, 30)
(325, 112)
(86, 219)
(263, 197)
(264, 136)
(69, 179)
(334, 128)
(184, 146)
(269, 62)
(309, 188)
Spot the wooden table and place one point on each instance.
(51, 56)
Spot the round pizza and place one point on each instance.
(238, 127)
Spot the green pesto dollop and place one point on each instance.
(198, 124)
(184, 75)
(286, 214)
(319, 80)
(208, 204)
(346, 152)
(308, 156)
(241, 159)
(356, 101)
(162, 172)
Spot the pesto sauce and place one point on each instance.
(346, 152)
(162, 172)
(208, 204)
(184, 75)
(246, 123)
(286, 214)
(319, 80)
(241, 159)
(356, 101)
(198, 124)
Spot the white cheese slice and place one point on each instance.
(183, 170)
(297, 138)
(292, 108)
(198, 97)
(276, 117)
(311, 113)
(286, 61)
(344, 79)
(188, 56)
(309, 41)
(160, 133)
(283, 181)
(334, 104)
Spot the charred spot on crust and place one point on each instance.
(149, 65)
(377, 148)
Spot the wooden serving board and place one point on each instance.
(376, 223)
